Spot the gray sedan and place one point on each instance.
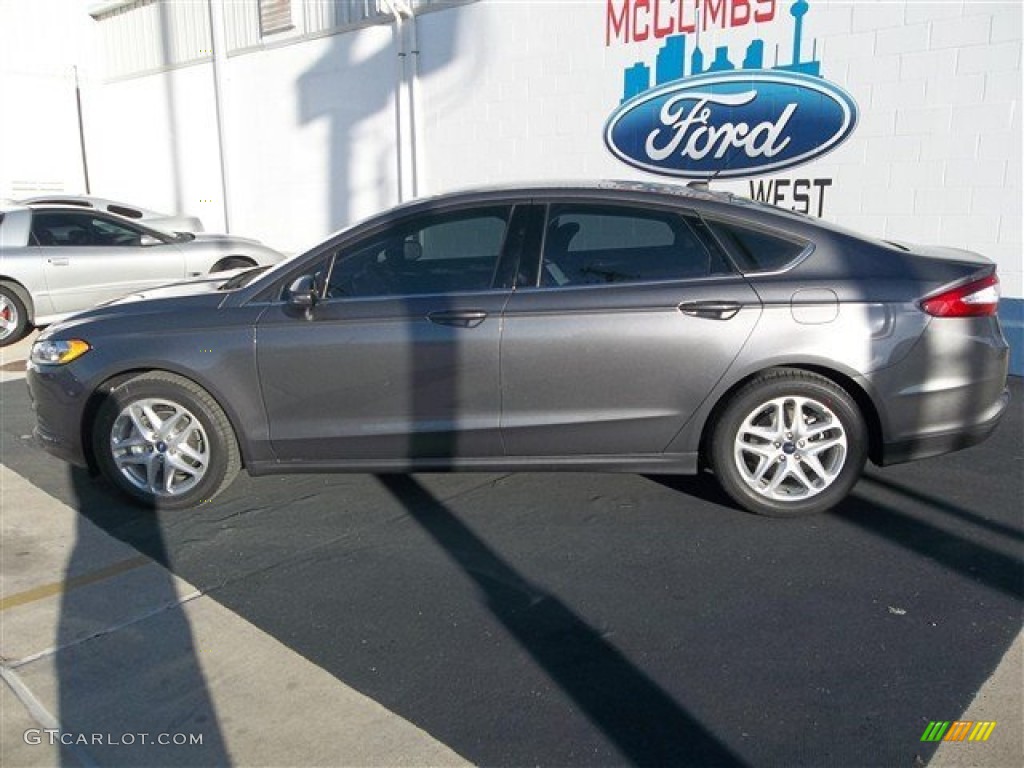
(617, 326)
(58, 260)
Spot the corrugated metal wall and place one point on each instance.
(149, 35)
(146, 35)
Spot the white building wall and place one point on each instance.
(152, 141)
(310, 132)
(39, 144)
(309, 137)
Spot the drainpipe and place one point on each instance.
(414, 95)
(405, 112)
(81, 133)
(219, 45)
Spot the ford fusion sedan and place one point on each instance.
(614, 326)
(57, 260)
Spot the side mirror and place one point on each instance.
(302, 293)
(149, 240)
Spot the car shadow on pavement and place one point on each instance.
(131, 690)
(639, 717)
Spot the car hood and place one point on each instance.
(211, 237)
(179, 304)
(190, 287)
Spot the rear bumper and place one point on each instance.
(948, 393)
(925, 446)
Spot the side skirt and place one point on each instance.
(642, 464)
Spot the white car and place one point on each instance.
(162, 221)
(58, 260)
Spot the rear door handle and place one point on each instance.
(59, 261)
(713, 310)
(460, 318)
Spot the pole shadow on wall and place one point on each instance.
(350, 85)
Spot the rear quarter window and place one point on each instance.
(756, 250)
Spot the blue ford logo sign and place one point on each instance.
(731, 124)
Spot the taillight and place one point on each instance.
(977, 298)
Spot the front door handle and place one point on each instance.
(59, 261)
(713, 310)
(460, 318)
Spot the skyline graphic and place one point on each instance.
(671, 61)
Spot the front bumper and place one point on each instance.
(58, 401)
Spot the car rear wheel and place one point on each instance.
(789, 443)
(13, 317)
(165, 442)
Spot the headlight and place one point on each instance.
(53, 352)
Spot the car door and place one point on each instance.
(89, 258)
(632, 317)
(399, 359)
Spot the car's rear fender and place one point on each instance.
(865, 403)
(843, 342)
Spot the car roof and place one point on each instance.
(697, 195)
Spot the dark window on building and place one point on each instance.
(756, 250)
(602, 244)
(437, 253)
(275, 16)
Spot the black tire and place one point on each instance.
(181, 480)
(14, 325)
(789, 443)
(232, 262)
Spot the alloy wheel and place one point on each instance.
(790, 448)
(159, 447)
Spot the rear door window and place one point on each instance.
(608, 244)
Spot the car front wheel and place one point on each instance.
(789, 443)
(165, 442)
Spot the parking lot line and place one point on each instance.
(59, 587)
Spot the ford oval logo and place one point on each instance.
(731, 124)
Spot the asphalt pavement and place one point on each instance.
(550, 619)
